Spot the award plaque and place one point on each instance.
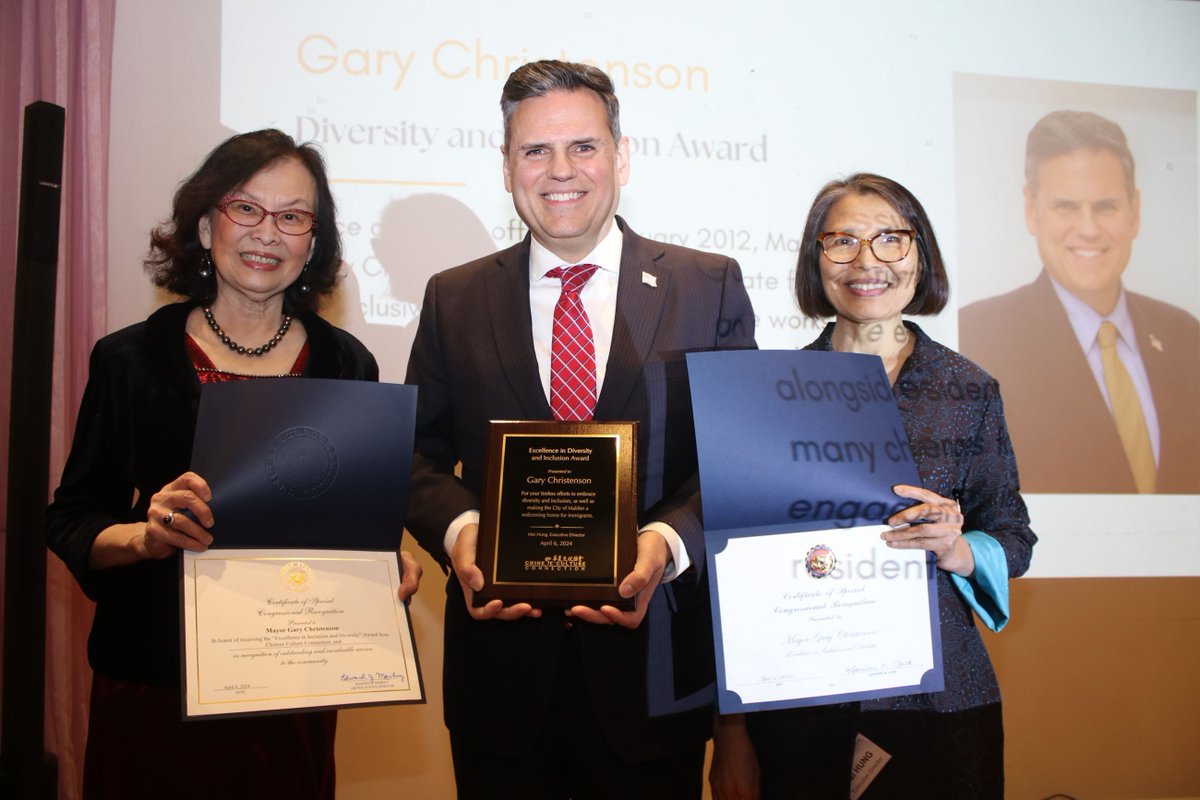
(558, 522)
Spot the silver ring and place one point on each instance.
(168, 518)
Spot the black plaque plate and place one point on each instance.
(558, 523)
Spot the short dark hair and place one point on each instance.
(175, 249)
(1064, 131)
(933, 287)
(539, 78)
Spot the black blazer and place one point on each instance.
(473, 361)
(133, 436)
(1065, 438)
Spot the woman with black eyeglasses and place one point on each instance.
(868, 257)
(252, 246)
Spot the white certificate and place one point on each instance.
(822, 617)
(274, 630)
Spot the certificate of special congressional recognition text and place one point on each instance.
(271, 630)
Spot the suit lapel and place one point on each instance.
(642, 288)
(1160, 356)
(1152, 345)
(1065, 362)
(507, 285)
(1083, 415)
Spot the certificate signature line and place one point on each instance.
(292, 697)
(779, 681)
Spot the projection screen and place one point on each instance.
(736, 114)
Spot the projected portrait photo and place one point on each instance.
(1080, 277)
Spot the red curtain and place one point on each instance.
(59, 51)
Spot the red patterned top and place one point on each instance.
(208, 373)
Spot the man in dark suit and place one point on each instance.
(1074, 427)
(587, 702)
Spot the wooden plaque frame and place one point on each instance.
(558, 522)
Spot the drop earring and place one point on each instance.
(206, 265)
(304, 287)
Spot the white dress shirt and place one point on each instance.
(599, 298)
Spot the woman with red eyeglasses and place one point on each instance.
(251, 246)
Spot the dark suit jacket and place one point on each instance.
(473, 361)
(1065, 438)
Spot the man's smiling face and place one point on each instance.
(564, 170)
(1085, 219)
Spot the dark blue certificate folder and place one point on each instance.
(306, 462)
(791, 443)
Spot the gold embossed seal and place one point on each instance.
(297, 576)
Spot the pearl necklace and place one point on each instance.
(246, 351)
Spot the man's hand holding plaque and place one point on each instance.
(652, 557)
(558, 525)
(470, 577)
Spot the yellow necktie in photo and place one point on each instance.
(1127, 411)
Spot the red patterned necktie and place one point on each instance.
(572, 354)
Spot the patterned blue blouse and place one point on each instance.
(954, 419)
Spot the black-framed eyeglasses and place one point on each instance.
(888, 246)
(292, 221)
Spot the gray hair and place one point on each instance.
(1062, 132)
(538, 78)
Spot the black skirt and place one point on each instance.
(139, 747)
(809, 752)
